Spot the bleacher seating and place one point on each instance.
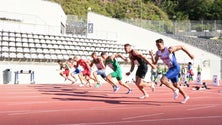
(19, 46)
(213, 46)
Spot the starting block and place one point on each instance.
(29, 72)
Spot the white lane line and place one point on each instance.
(9, 103)
(108, 107)
(203, 107)
(23, 112)
(34, 102)
(147, 120)
(23, 96)
(53, 110)
(141, 116)
(37, 111)
(20, 93)
(206, 97)
(7, 112)
(214, 93)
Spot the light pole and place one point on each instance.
(141, 11)
(174, 24)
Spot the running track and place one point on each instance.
(64, 104)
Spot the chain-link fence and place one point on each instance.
(76, 25)
(202, 28)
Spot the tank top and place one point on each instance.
(168, 58)
(113, 64)
(82, 63)
(137, 60)
(98, 63)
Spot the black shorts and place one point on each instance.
(142, 70)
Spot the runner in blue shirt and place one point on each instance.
(166, 54)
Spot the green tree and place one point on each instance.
(216, 10)
(131, 9)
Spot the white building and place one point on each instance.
(37, 16)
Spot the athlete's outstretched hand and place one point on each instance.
(192, 56)
(153, 66)
(128, 73)
(126, 60)
(151, 52)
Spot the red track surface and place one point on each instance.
(63, 104)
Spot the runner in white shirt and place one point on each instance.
(168, 57)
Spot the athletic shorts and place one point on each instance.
(66, 72)
(117, 74)
(173, 74)
(102, 73)
(77, 71)
(86, 72)
(142, 70)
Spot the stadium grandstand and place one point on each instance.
(35, 34)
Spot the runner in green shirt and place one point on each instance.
(117, 72)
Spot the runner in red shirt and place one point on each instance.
(86, 73)
(64, 70)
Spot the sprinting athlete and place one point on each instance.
(64, 70)
(101, 71)
(100, 68)
(74, 70)
(117, 73)
(167, 55)
(140, 60)
(85, 73)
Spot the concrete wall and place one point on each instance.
(144, 39)
(46, 73)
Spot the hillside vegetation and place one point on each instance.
(147, 9)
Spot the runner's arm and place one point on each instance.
(102, 63)
(132, 67)
(119, 55)
(87, 64)
(180, 47)
(144, 58)
(154, 58)
(91, 64)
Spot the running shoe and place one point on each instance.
(73, 82)
(98, 85)
(116, 88)
(81, 85)
(144, 96)
(129, 91)
(176, 94)
(152, 86)
(185, 100)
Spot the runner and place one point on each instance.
(100, 68)
(117, 73)
(75, 70)
(140, 60)
(167, 55)
(101, 71)
(85, 73)
(65, 73)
